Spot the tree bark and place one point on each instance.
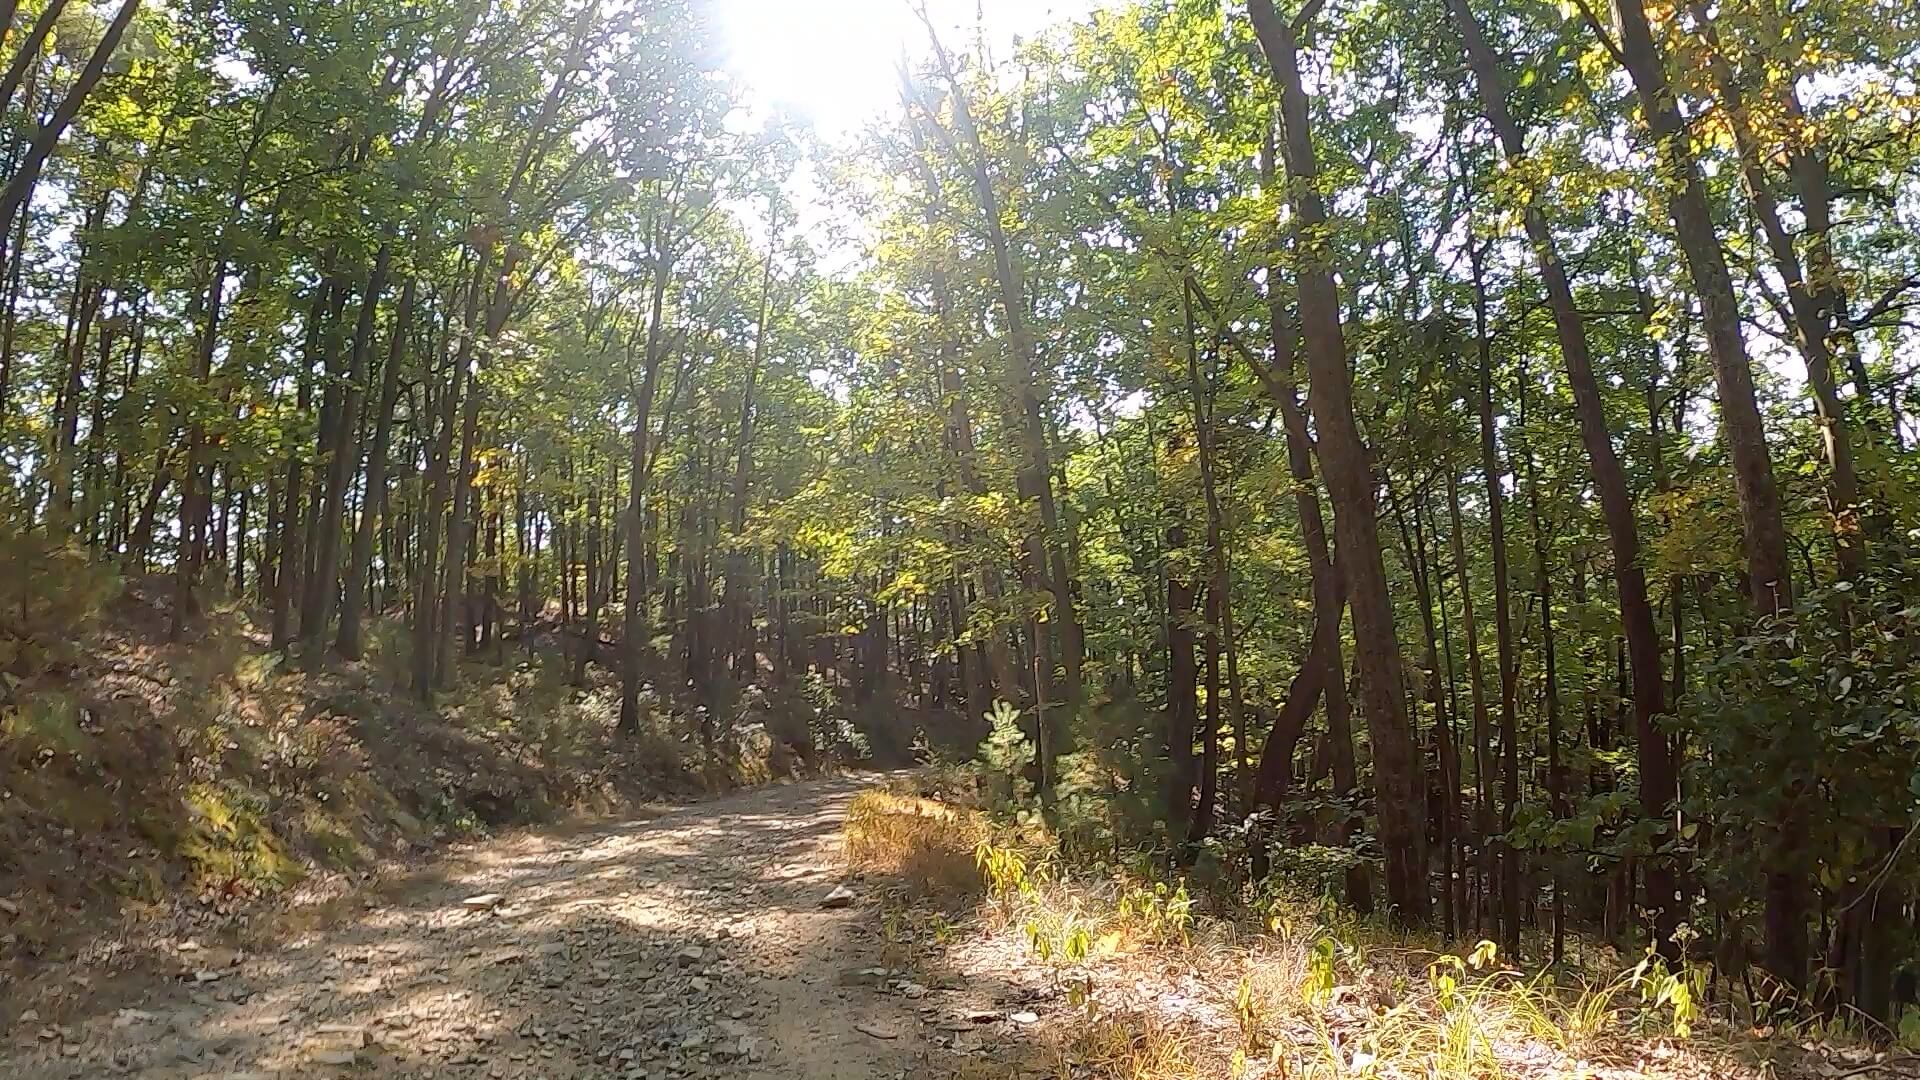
(1493, 471)
(426, 612)
(1445, 793)
(1182, 683)
(1046, 548)
(1810, 316)
(1476, 684)
(1657, 770)
(1400, 804)
(740, 570)
(1768, 574)
(343, 461)
(633, 642)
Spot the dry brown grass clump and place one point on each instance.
(1136, 1046)
(927, 845)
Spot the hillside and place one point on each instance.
(207, 780)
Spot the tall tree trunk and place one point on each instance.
(1768, 574)
(1692, 213)
(1182, 682)
(287, 571)
(1322, 665)
(1344, 461)
(1810, 320)
(1476, 683)
(343, 462)
(1659, 776)
(739, 560)
(1046, 548)
(426, 611)
(1543, 594)
(1217, 598)
(1346, 785)
(590, 632)
(633, 643)
(15, 270)
(1444, 809)
(1203, 809)
(61, 472)
(454, 619)
(141, 541)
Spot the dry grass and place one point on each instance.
(1136, 1046)
(1143, 989)
(930, 847)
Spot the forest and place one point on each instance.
(1461, 456)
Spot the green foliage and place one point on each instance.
(1004, 756)
(1008, 871)
(1682, 994)
(1157, 910)
(231, 845)
(940, 415)
(1322, 974)
(1316, 870)
(1812, 719)
(50, 596)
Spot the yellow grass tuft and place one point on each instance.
(1135, 1046)
(929, 846)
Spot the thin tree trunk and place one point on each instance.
(1445, 812)
(454, 615)
(1203, 810)
(1810, 321)
(360, 561)
(1046, 549)
(426, 613)
(343, 462)
(1182, 683)
(287, 573)
(633, 644)
(590, 633)
(1476, 683)
(1502, 611)
(739, 563)
(1543, 591)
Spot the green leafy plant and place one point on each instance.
(1004, 755)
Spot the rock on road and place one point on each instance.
(690, 944)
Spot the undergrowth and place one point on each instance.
(1281, 985)
(136, 773)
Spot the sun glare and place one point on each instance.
(832, 62)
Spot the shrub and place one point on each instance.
(51, 594)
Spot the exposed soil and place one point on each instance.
(695, 943)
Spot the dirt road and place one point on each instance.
(691, 944)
